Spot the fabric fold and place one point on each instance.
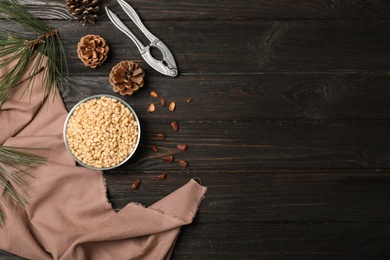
(68, 215)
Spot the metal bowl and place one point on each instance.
(96, 97)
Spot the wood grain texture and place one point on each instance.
(253, 97)
(282, 214)
(250, 47)
(234, 10)
(267, 145)
(288, 127)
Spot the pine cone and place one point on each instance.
(83, 10)
(127, 77)
(92, 50)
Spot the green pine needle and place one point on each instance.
(2, 219)
(28, 51)
(14, 166)
(28, 56)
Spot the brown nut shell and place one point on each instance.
(167, 158)
(136, 184)
(175, 126)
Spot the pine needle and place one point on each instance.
(14, 166)
(1, 219)
(28, 51)
(28, 56)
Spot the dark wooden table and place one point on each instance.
(289, 127)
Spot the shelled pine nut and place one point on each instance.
(102, 132)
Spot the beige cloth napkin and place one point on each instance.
(68, 215)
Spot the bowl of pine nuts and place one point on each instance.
(102, 132)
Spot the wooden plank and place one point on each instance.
(232, 10)
(249, 214)
(247, 47)
(266, 145)
(252, 97)
(254, 197)
(283, 241)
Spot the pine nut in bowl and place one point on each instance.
(102, 132)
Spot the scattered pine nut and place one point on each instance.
(172, 106)
(182, 147)
(136, 184)
(161, 136)
(162, 176)
(183, 163)
(151, 108)
(167, 158)
(153, 94)
(163, 101)
(175, 126)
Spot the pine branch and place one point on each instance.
(28, 55)
(29, 52)
(14, 166)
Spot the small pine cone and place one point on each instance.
(127, 77)
(83, 10)
(92, 50)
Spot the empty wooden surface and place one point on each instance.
(288, 128)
